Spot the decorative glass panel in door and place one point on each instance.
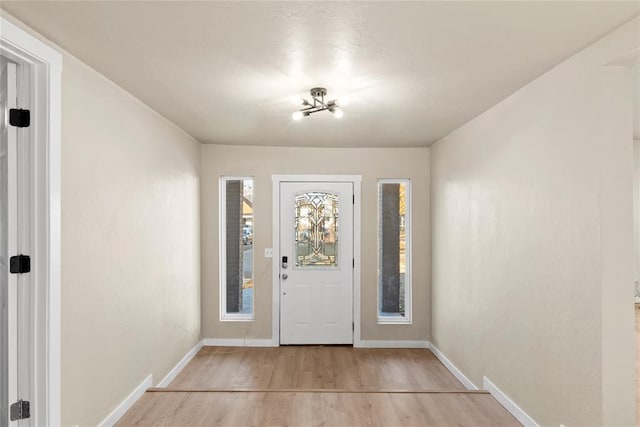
(316, 230)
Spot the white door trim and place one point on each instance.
(46, 66)
(356, 180)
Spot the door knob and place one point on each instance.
(284, 276)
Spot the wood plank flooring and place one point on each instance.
(317, 409)
(315, 367)
(316, 386)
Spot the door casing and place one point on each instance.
(20, 296)
(356, 180)
(45, 65)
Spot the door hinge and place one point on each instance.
(353, 262)
(20, 264)
(353, 326)
(19, 410)
(19, 118)
(354, 199)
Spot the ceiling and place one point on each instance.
(225, 72)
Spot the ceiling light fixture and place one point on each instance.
(318, 104)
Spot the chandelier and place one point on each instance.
(318, 104)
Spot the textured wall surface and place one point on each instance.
(261, 163)
(130, 244)
(532, 242)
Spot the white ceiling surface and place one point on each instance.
(225, 72)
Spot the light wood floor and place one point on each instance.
(316, 386)
(303, 367)
(317, 409)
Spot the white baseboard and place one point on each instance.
(452, 368)
(127, 403)
(224, 342)
(391, 344)
(508, 404)
(181, 364)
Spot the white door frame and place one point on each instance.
(46, 85)
(356, 180)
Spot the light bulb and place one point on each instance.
(338, 113)
(297, 115)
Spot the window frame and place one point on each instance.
(222, 251)
(408, 282)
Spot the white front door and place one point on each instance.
(316, 264)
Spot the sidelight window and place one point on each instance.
(394, 251)
(236, 248)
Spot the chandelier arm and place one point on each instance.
(316, 110)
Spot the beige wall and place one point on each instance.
(261, 163)
(130, 295)
(130, 244)
(532, 242)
